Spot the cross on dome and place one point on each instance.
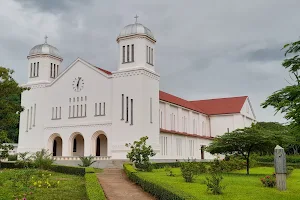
(46, 37)
(136, 17)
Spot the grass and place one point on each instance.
(238, 185)
(71, 187)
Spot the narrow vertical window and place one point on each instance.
(100, 109)
(122, 117)
(56, 70)
(131, 121)
(52, 112)
(147, 54)
(54, 73)
(30, 125)
(127, 53)
(59, 112)
(56, 113)
(74, 145)
(150, 110)
(73, 110)
(34, 114)
(104, 108)
(126, 109)
(51, 71)
(38, 69)
(132, 53)
(27, 120)
(81, 113)
(152, 55)
(85, 110)
(69, 111)
(95, 109)
(77, 107)
(34, 69)
(123, 54)
(161, 120)
(30, 69)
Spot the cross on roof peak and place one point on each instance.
(46, 37)
(136, 17)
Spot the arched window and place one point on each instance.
(74, 145)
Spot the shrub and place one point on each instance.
(44, 180)
(158, 191)
(42, 159)
(227, 165)
(93, 188)
(189, 170)
(86, 161)
(89, 170)
(269, 181)
(169, 171)
(68, 169)
(270, 158)
(289, 170)
(162, 165)
(24, 160)
(140, 154)
(12, 157)
(213, 183)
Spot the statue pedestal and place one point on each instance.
(281, 181)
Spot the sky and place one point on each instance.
(205, 49)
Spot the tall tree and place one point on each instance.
(257, 138)
(287, 99)
(10, 108)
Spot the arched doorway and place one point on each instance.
(77, 144)
(99, 144)
(55, 144)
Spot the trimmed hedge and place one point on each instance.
(162, 165)
(89, 170)
(93, 188)
(159, 191)
(80, 171)
(13, 165)
(270, 158)
(271, 164)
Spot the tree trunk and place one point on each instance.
(248, 165)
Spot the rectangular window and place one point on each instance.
(81, 113)
(54, 73)
(131, 121)
(85, 110)
(132, 53)
(73, 110)
(69, 111)
(56, 113)
(99, 108)
(150, 110)
(123, 54)
(27, 120)
(152, 56)
(51, 71)
(96, 109)
(104, 108)
(127, 53)
(30, 125)
(77, 107)
(38, 69)
(126, 109)
(59, 112)
(52, 112)
(122, 117)
(34, 114)
(31, 70)
(149, 56)
(34, 70)
(56, 70)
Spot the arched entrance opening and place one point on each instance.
(77, 144)
(99, 144)
(55, 144)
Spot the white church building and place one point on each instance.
(86, 110)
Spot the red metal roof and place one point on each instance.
(185, 134)
(222, 105)
(178, 101)
(103, 70)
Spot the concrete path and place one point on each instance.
(117, 186)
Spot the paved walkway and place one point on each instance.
(117, 186)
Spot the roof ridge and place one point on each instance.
(219, 98)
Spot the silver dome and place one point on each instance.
(136, 28)
(44, 49)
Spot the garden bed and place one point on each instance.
(238, 185)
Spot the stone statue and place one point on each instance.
(280, 167)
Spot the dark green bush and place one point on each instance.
(289, 170)
(68, 169)
(190, 169)
(89, 170)
(162, 165)
(227, 165)
(213, 183)
(12, 157)
(42, 159)
(158, 191)
(13, 164)
(271, 164)
(93, 188)
(270, 158)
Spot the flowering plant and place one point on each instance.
(44, 181)
(269, 181)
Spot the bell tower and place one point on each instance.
(135, 90)
(44, 63)
(136, 47)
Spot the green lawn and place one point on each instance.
(238, 186)
(71, 187)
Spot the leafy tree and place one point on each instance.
(3, 147)
(245, 141)
(287, 99)
(140, 154)
(10, 106)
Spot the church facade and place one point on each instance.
(86, 110)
